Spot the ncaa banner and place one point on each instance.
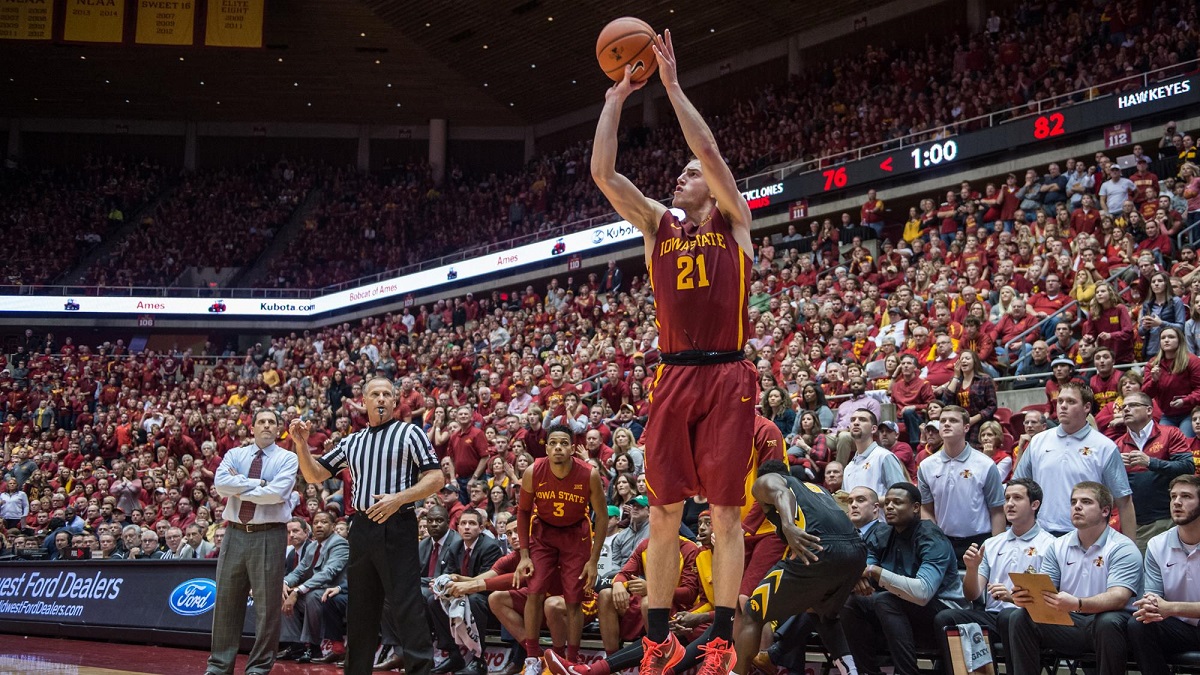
(94, 21)
(165, 22)
(26, 19)
(174, 595)
(234, 23)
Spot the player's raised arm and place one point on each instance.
(703, 145)
(624, 196)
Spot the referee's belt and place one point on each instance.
(696, 357)
(254, 527)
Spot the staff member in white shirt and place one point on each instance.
(1020, 549)
(1167, 615)
(872, 465)
(960, 487)
(1071, 453)
(1098, 572)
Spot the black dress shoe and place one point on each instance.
(305, 655)
(331, 657)
(289, 653)
(475, 667)
(391, 663)
(451, 665)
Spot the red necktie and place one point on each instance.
(246, 512)
(466, 561)
(316, 555)
(433, 559)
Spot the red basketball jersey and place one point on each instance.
(701, 282)
(561, 502)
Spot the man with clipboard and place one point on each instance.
(1098, 572)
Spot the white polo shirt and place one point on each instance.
(1172, 572)
(1112, 561)
(876, 468)
(963, 491)
(1058, 461)
(1006, 553)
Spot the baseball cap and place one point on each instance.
(640, 500)
(890, 425)
(613, 511)
(933, 423)
(1062, 361)
(449, 487)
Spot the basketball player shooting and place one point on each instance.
(699, 436)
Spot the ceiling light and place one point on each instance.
(549, 18)
(280, 59)
(572, 81)
(83, 58)
(376, 61)
(362, 35)
(511, 104)
(127, 100)
(389, 85)
(201, 83)
(485, 46)
(397, 105)
(712, 30)
(295, 84)
(533, 65)
(485, 84)
(672, 11)
(181, 58)
(218, 103)
(310, 104)
(427, 24)
(105, 82)
(35, 98)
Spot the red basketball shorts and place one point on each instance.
(700, 434)
(559, 555)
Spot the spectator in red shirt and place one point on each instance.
(1042, 306)
(911, 394)
(1009, 347)
(1174, 381)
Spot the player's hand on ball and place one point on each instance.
(523, 572)
(664, 52)
(626, 86)
(384, 507)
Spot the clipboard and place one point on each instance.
(1037, 583)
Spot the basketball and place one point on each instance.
(626, 41)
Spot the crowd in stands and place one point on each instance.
(114, 452)
(219, 218)
(50, 218)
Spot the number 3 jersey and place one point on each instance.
(561, 502)
(701, 282)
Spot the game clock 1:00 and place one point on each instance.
(938, 153)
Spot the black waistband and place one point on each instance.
(695, 357)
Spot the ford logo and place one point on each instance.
(193, 597)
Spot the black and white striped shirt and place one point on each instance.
(384, 459)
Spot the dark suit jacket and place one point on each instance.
(484, 554)
(327, 570)
(444, 558)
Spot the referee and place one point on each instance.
(392, 465)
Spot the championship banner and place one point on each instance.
(165, 22)
(234, 23)
(26, 19)
(94, 21)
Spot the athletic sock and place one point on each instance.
(573, 653)
(657, 628)
(722, 626)
(532, 649)
(845, 665)
(599, 668)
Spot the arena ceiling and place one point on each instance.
(474, 62)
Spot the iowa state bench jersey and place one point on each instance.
(561, 502)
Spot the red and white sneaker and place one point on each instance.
(658, 658)
(558, 665)
(719, 658)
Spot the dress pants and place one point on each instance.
(1100, 634)
(304, 625)
(1151, 643)
(248, 561)
(384, 566)
(333, 617)
(901, 623)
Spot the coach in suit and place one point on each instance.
(471, 556)
(258, 480)
(323, 566)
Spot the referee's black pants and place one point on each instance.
(384, 565)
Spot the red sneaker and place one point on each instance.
(658, 658)
(560, 666)
(719, 658)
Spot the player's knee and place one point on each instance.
(554, 604)
(604, 598)
(499, 601)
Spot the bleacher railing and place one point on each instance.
(991, 119)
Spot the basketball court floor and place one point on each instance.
(20, 655)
